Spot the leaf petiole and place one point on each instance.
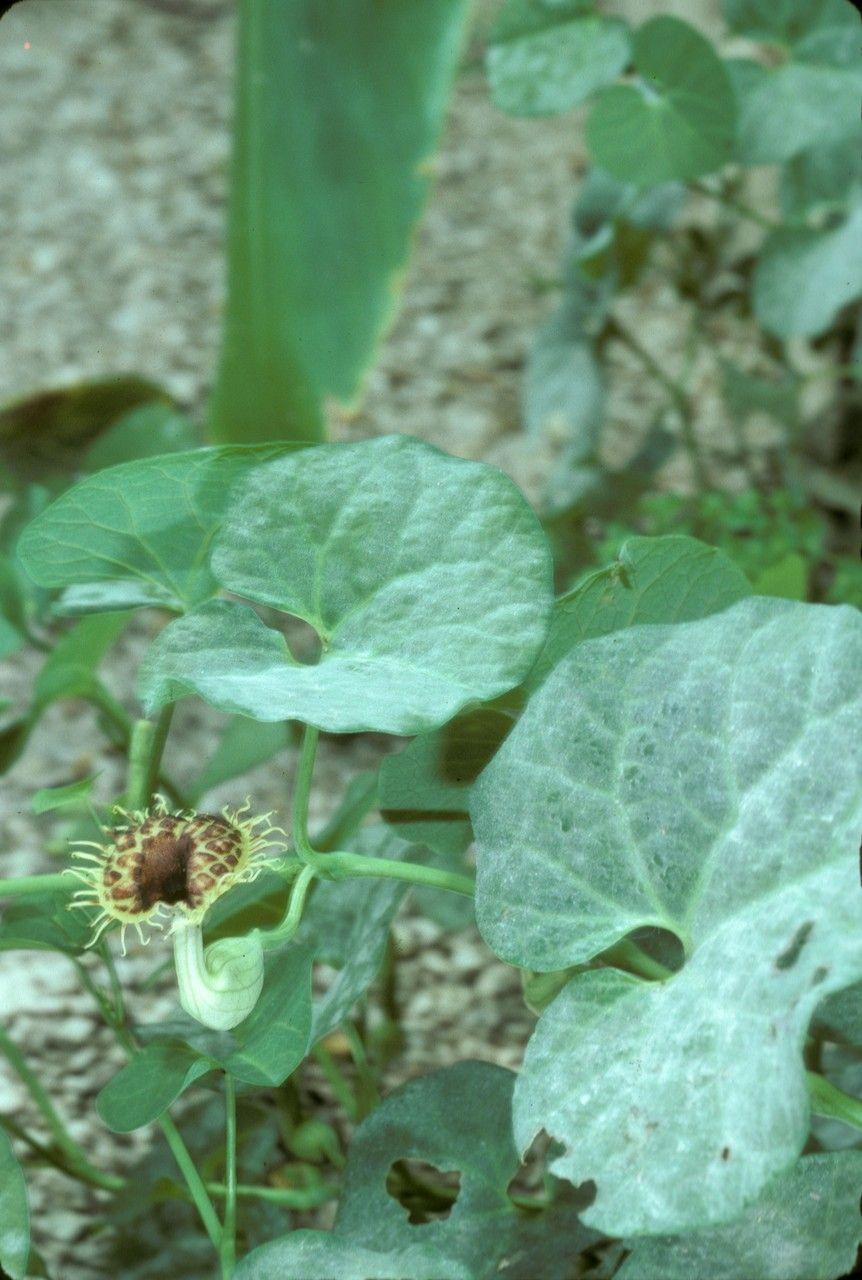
(833, 1103)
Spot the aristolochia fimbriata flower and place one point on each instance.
(157, 867)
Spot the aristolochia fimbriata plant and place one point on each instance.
(649, 788)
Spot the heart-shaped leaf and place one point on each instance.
(544, 58)
(679, 122)
(703, 778)
(805, 1225)
(427, 578)
(148, 523)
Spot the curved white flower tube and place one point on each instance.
(218, 987)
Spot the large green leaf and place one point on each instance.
(679, 122)
(14, 1216)
(805, 1225)
(703, 778)
(546, 57)
(456, 1119)
(427, 578)
(653, 580)
(339, 104)
(146, 525)
(805, 276)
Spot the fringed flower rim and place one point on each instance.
(157, 866)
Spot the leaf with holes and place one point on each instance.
(459, 1120)
(427, 579)
(702, 778)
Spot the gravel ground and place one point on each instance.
(114, 138)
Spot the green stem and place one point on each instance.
(194, 1182)
(228, 1235)
(284, 931)
(145, 754)
(833, 1103)
(78, 1163)
(34, 886)
(676, 393)
(343, 865)
(301, 795)
(123, 722)
(738, 206)
(173, 1137)
(627, 955)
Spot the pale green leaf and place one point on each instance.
(823, 178)
(338, 109)
(703, 778)
(147, 431)
(805, 276)
(805, 1225)
(546, 58)
(427, 578)
(14, 1215)
(148, 522)
(654, 580)
(679, 122)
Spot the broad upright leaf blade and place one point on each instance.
(679, 123)
(14, 1215)
(703, 777)
(427, 578)
(145, 525)
(805, 1225)
(339, 105)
